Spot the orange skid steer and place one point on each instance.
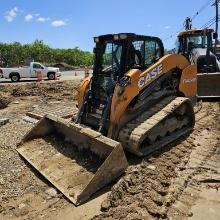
(137, 100)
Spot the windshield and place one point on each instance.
(111, 57)
(188, 42)
(199, 41)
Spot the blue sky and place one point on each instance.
(69, 23)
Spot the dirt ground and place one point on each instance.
(180, 182)
(168, 184)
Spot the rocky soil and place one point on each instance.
(164, 185)
(5, 99)
(20, 185)
(47, 89)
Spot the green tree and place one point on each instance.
(15, 54)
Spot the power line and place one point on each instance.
(208, 23)
(192, 18)
(202, 9)
(212, 24)
(173, 35)
(215, 1)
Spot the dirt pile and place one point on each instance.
(148, 187)
(56, 89)
(161, 186)
(19, 185)
(5, 100)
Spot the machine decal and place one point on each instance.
(189, 80)
(150, 76)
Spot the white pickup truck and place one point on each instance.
(15, 74)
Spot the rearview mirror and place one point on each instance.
(215, 35)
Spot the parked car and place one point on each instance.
(15, 74)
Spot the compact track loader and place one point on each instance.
(137, 99)
(197, 45)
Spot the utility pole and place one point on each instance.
(216, 21)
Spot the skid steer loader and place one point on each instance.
(137, 99)
(197, 46)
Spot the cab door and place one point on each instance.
(35, 68)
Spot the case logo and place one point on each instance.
(150, 76)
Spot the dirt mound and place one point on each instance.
(147, 188)
(164, 185)
(49, 89)
(5, 100)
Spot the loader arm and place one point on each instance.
(138, 81)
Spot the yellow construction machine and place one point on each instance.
(197, 45)
(137, 100)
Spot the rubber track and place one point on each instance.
(137, 130)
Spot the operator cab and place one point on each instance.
(116, 54)
(197, 46)
(195, 38)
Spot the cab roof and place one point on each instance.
(129, 36)
(194, 31)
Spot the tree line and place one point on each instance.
(15, 54)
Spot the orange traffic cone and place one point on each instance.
(86, 72)
(39, 76)
(56, 77)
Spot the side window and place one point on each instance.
(138, 52)
(37, 66)
(143, 53)
(112, 56)
(107, 56)
(135, 54)
(152, 52)
(178, 45)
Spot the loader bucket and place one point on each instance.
(208, 85)
(77, 160)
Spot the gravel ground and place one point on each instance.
(17, 178)
(47, 89)
(5, 99)
(11, 166)
(152, 187)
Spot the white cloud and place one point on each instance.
(58, 23)
(167, 27)
(28, 17)
(11, 15)
(42, 19)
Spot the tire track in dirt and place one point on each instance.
(150, 188)
(203, 167)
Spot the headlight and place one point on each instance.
(120, 36)
(116, 37)
(96, 39)
(123, 36)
